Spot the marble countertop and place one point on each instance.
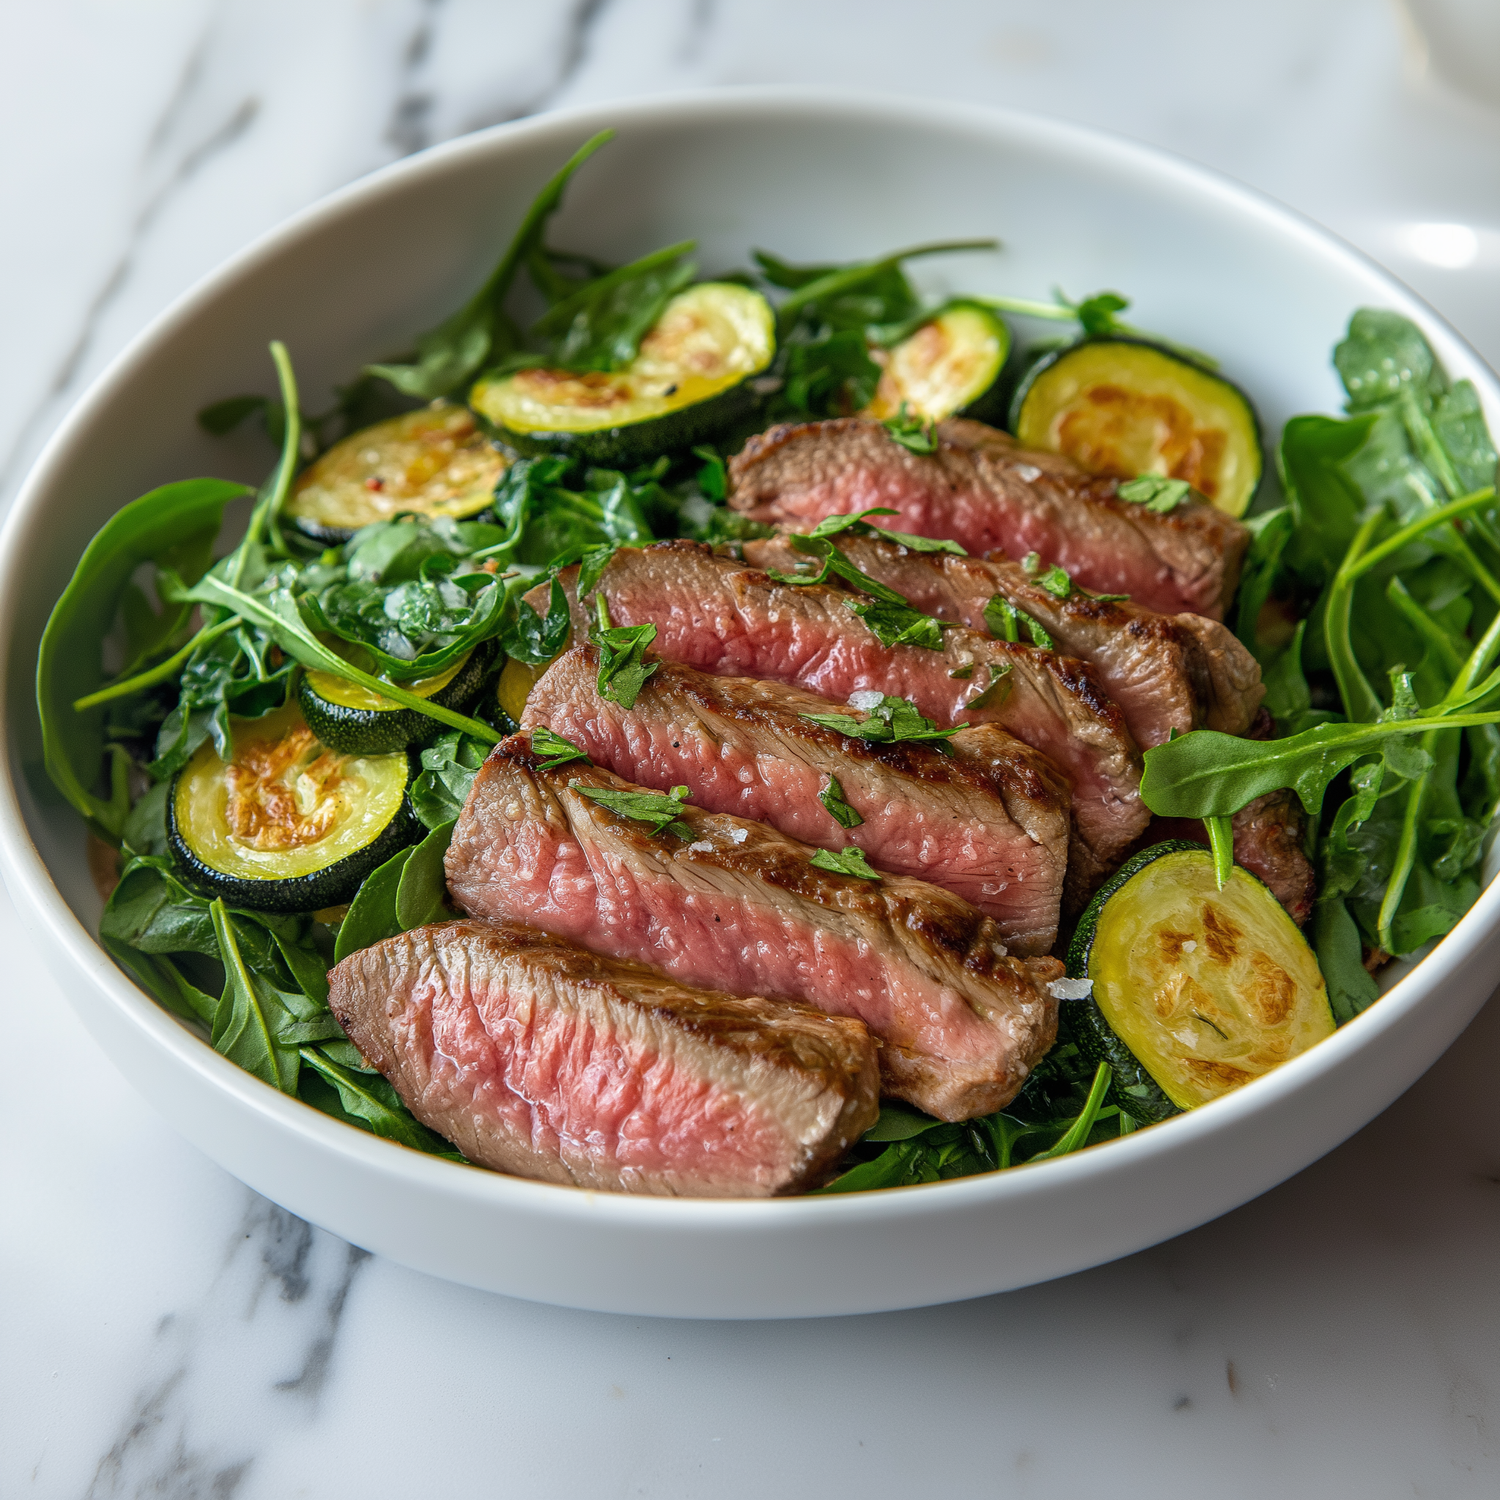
(170, 1334)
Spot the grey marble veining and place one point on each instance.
(169, 1334)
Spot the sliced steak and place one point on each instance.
(986, 819)
(714, 614)
(1164, 671)
(736, 905)
(983, 491)
(540, 1059)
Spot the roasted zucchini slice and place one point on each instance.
(1126, 407)
(434, 462)
(948, 365)
(1197, 991)
(351, 719)
(685, 386)
(287, 825)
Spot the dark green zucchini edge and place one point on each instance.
(366, 731)
(1132, 1088)
(330, 886)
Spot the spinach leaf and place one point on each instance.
(255, 1025)
(832, 798)
(542, 520)
(533, 638)
(481, 332)
(372, 916)
(164, 982)
(159, 525)
(422, 891)
(849, 860)
(449, 766)
(371, 1102)
(643, 807)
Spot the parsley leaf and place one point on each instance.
(1155, 492)
(900, 624)
(849, 861)
(1056, 581)
(915, 435)
(855, 522)
(890, 719)
(643, 807)
(557, 750)
(832, 798)
(1005, 621)
(623, 668)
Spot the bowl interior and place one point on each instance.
(1204, 263)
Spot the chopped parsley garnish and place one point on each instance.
(915, 435)
(900, 624)
(623, 668)
(890, 719)
(556, 750)
(1155, 492)
(848, 861)
(832, 798)
(644, 807)
(1005, 621)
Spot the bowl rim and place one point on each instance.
(31, 885)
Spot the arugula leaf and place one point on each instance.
(164, 982)
(832, 798)
(1156, 492)
(643, 807)
(849, 860)
(558, 750)
(1077, 1134)
(150, 528)
(480, 331)
(623, 668)
(824, 377)
(913, 433)
(449, 766)
(542, 520)
(1269, 534)
(900, 624)
(713, 477)
(889, 720)
(533, 638)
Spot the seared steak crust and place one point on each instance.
(540, 1059)
(734, 904)
(1165, 672)
(714, 614)
(988, 819)
(983, 491)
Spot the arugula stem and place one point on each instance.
(1078, 1132)
(160, 672)
(1356, 565)
(1424, 625)
(850, 276)
(268, 507)
(1221, 841)
(1360, 702)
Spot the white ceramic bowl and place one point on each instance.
(812, 177)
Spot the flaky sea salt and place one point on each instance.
(1028, 472)
(866, 699)
(701, 847)
(1071, 989)
(738, 835)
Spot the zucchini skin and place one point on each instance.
(1132, 1088)
(1037, 368)
(330, 886)
(363, 731)
(636, 443)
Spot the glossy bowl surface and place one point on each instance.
(814, 177)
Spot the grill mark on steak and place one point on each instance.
(983, 491)
(741, 907)
(714, 614)
(1165, 672)
(988, 820)
(538, 1058)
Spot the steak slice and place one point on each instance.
(980, 489)
(543, 1060)
(986, 819)
(1164, 671)
(736, 905)
(714, 614)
